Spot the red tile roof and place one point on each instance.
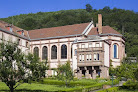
(4, 25)
(58, 31)
(106, 30)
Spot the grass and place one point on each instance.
(36, 86)
(55, 85)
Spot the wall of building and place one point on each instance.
(11, 38)
(58, 42)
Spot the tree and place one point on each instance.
(64, 73)
(88, 8)
(15, 68)
(37, 68)
(128, 70)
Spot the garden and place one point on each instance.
(53, 85)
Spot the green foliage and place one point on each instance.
(65, 73)
(37, 67)
(83, 85)
(88, 8)
(130, 85)
(16, 68)
(12, 64)
(119, 19)
(111, 69)
(113, 89)
(128, 70)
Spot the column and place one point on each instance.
(94, 73)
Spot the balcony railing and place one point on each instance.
(90, 63)
(90, 49)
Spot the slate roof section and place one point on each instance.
(58, 31)
(106, 30)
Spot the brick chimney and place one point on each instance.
(100, 23)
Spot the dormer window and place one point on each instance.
(23, 33)
(11, 29)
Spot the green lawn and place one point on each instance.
(55, 85)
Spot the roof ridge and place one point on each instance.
(58, 26)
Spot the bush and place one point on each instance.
(130, 85)
(113, 89)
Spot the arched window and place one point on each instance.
(54, 52)
(63, 51)
(44, 53)
(71, 52)
(36, 51)
(115, 50)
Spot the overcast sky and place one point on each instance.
(16, 7)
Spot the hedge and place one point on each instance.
(113, 89)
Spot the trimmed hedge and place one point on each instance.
(113, 89)
(130, 85)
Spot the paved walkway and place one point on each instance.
(117, 85)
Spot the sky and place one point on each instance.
(17, 7)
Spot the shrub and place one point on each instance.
(113, 89)
(130, 85)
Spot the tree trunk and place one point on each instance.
(11, 89)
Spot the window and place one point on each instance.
(90, 57)
(87, 57)
(83, 46)
(86, 45)
(96, 56)
(75, 52)
(27, 44)
(23, 33)
(11, 29)
(19, 41)
(36, 51)
(90, 44)
(63, 51)
(83, 57)
(54, 52)
(71, 52)
(97, 45)
(80, 57)
(44, 53)
(115, 50)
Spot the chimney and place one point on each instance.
(100, 23)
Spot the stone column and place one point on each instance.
(79, 73)
(104, 72)
(87, 75)
(94, 73)
(68, 50)
(58, 52)
(49, 54)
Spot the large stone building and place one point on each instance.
(88, 48)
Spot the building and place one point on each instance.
(88, 48)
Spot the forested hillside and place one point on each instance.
(124, 21)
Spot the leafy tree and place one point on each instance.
(37, 67)
(64, 73)
(88, 8)
(28, 24)
(15, 68)
(128, 70)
